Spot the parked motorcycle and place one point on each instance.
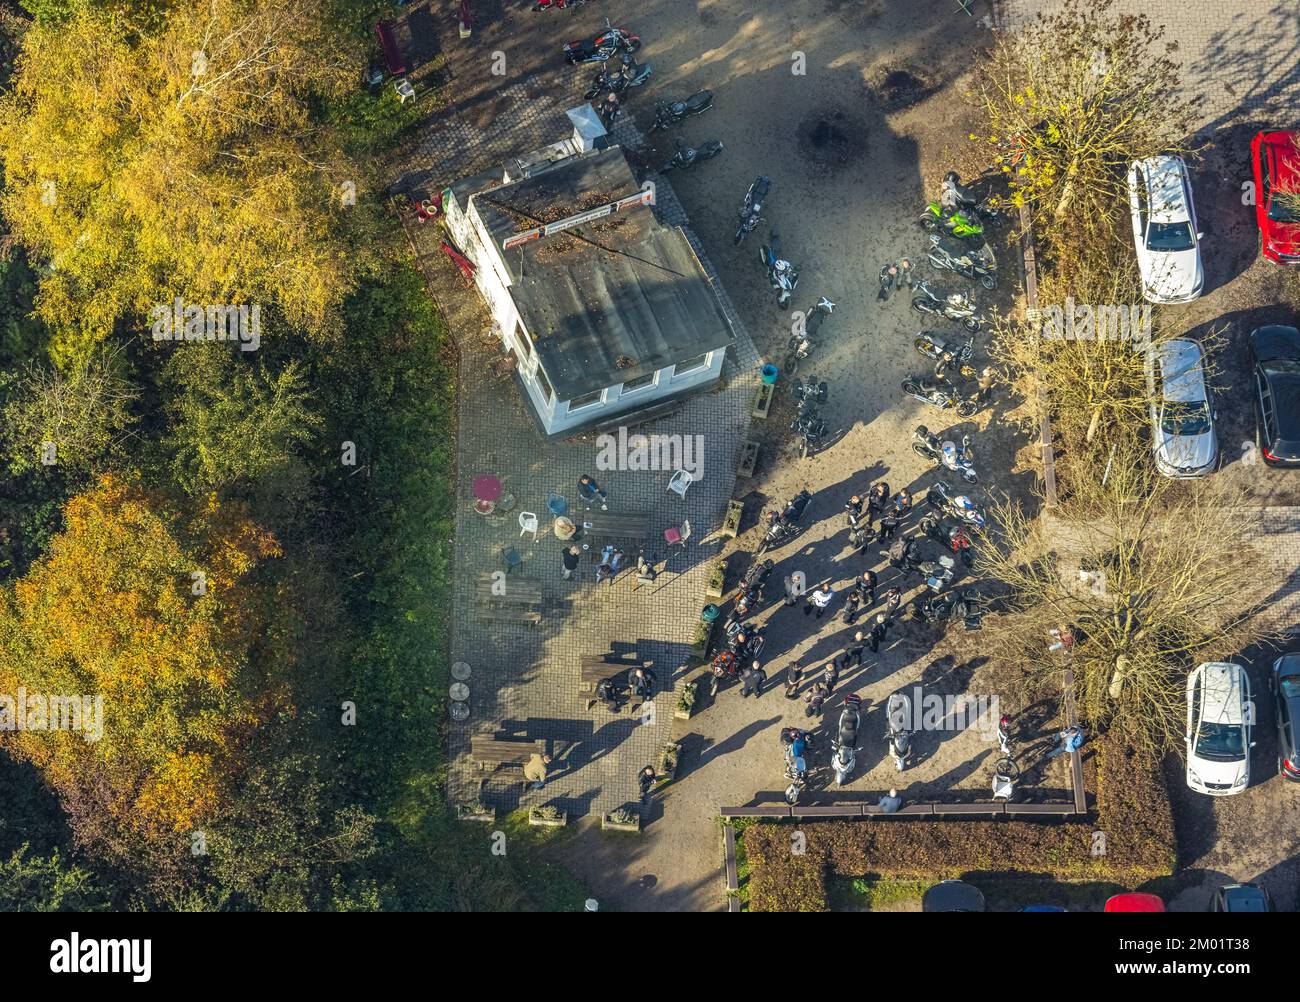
(939, 395)
(953, 457)
(898, 712)
(964, 607)
(943, 530)
(959, 506)
(796, 771)
(756, 577)
(976, 264)
(964, 226)
(629, 74)
(811, 430)
(801, 341)
(957, 195)
(809, 396)
(602, 47)
(784, 525)
(672, 112)
(844, 748)
(689, 156)
(751, 210)
(557, 4)
(937, 573)
(954, 306)
(1004, 734)
(934, 345)
(781, 274)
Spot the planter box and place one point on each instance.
(666, 774)
(717, 584)
(763, 400)
(731, 524)
(703, 637)
(614, 826)
(540, 822)
(748, 460)
(463, 813)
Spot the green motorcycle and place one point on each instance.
(959, 224)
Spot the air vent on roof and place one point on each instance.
(623, 362)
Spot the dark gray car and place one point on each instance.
(1284, 682)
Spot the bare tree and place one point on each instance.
(1070, 100)
(1155, 575)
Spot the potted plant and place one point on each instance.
(686, 702)
(477, 811)
(547, 816)
(621, 820)
(700, 644)
(717, 581)
(668, 759)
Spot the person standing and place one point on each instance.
(892, 598)
(852, 599)
(889, 523)
(793, 676)
(572, 555)
(535, 770)
(752, 680)
(591, 492)
(853, 653)
(988, 378)
(830, 676)
(868, 585)
(609, 109)
(877, 499)
(820, 599)
(792, 591)
(814, 698)
(903, 503)
(646, 781)
(878, 631)
(853, 509)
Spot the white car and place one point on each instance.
(1164, 230)
(1183, 439)
(1220, 722)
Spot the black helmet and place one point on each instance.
(952, 176)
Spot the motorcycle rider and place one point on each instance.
(877, 498)
(853, 510)
(814, 697)
(945, 362)
(793, 676)
(609, 110)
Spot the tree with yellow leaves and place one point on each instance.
(159, 615)
(183, 160)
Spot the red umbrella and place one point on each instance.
(487, 487)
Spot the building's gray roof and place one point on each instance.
(610, 301)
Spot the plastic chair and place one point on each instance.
(527, 523)
(680, 483)
(557, 504)
(677, 535)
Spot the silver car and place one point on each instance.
(1182, 422)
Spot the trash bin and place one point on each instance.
(770, 373)
(709, 613)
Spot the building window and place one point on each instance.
(640, 383)
(525, 342)
(586, 400)
(547, 392)
(691, 364)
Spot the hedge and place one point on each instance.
(1132, 814)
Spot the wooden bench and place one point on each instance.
(496, 752)
(595, 668)
(635, 525)
(507, 614)
(393, 57)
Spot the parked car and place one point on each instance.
(1165, 232)
(1275, 359)
(1284, 681)
(1219, 727)
(1182, 422)
(953, 896)
(1276, 161)
(1134, 901)
(1241, 898)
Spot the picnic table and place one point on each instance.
(496, 752)
(633, 525)
(519, 602)
(595, 668)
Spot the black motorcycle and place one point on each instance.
(809, 396)
(811, 430)
(689, 156)
(784, 525)
(672, 112)
(629, 74)
(751, 211)
(602, 47)
(963, 606)
(966, 199)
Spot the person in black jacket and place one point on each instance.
(878, 631)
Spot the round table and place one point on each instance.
(461, 671)
(459, 711)
(459, 692)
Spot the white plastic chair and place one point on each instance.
(527, 523)
(680, 483)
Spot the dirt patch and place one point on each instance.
(899, 87)
(830, 139)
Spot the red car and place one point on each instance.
(1135, 901)
(1276, 159)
